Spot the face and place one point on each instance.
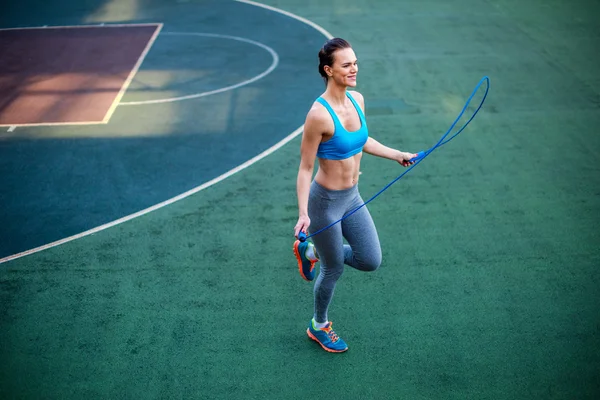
(344, 68)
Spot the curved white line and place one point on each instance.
(273, 65)
(164, 203)
(218, 179)
(289, 14)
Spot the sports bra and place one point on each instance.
(343, 144)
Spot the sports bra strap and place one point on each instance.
(336, 121)
(358, 109)
(333, 114)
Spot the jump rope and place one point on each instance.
(419, 157)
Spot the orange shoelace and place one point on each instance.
(332, 335)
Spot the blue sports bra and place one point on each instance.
(343, 144)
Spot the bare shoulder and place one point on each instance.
(318, 117)
(358, 97)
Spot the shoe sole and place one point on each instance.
(310, 335)
(299, 259)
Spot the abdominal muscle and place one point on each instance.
(338, 174)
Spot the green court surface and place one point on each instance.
(490, 281)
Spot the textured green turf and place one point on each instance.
(489, 287)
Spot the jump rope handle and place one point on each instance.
(302, 236)
(420, 155)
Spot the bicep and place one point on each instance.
(369, 145)
(311, 138)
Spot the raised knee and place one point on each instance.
(371, 264)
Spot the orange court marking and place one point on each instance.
(69, 75)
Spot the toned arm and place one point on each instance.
(314, 128)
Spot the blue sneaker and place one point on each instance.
(305, 266)
(327, 338)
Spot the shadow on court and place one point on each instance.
(62, 180)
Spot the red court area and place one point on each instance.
(68, 75)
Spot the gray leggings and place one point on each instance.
(362, 252)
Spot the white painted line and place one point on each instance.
(164, 203)
(132, 73)
(11, 128)
(119, 96)
(248, 163)
(80, 26)
(55, 123)
(273, 65)
(289, 14)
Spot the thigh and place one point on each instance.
(323, 211)
(360, 232)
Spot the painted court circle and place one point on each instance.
(271, 68)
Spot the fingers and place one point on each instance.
(407, 161)
(301, 226)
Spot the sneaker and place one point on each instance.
(327, 338)
(305, 266)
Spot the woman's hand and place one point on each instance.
(302, 225)
(404, 158)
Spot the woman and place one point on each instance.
(336, 133)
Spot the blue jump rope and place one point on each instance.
(420, 155)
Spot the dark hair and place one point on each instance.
(326, 54)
